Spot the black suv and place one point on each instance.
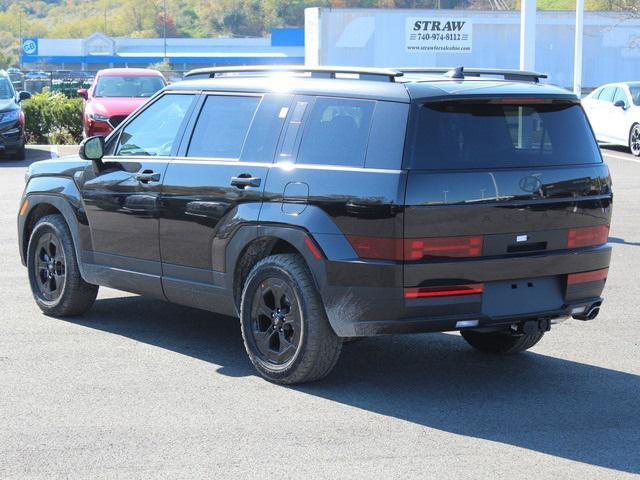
(322, 204)
(12, 139)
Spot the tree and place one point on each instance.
(165, 21)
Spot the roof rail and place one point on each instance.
(380, 74)
(462, 72)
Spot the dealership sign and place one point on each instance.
(438, 34)
(30, 46)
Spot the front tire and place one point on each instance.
(284, 324)
(634, 140)
(54, 276)
(500, 343)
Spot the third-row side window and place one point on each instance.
(337, 132)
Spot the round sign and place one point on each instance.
(29, 46)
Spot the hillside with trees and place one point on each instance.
(206, 18)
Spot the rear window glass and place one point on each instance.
(466, 135)
(337, 132)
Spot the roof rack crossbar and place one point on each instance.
(384, 74)
(507, 74)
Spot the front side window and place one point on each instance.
(154, 131)
(635, 94)
(479, 135)
(222, 126)
(128, 85)
(337, 132)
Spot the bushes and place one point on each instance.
(53, 118)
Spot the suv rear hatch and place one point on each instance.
(500, 193)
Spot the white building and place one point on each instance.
(473, 38)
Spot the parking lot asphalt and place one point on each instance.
(142, 389)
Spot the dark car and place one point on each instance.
(322, 204)
(12, 139)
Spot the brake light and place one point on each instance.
(384, 248)
(381, 248)
(585, 277)
(448, 291)
(21, 118)
(418, 248)
(587, 236)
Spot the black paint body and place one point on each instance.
(182, 238)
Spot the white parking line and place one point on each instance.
(618, 157)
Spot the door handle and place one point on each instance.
(245, 180)
(147, 176)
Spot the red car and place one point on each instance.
(115, 93)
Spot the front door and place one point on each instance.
(121, 199)
(215, 185)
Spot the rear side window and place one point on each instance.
(337, 132)
(470, 135)
(222, 126)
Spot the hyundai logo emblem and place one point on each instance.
(530, 184)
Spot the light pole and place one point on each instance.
(577, 56)
(528, 35)
(164, 29)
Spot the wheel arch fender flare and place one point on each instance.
(299, 238)
(66, 208)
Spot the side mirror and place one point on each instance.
(82, 92)
(621, 104)
(92, 148)
(24, 95)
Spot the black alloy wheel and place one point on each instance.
(51, 266)
(276, 322)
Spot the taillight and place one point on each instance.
(448, 291)
(383, 248)
(584, 277)
(21, 118)
(587, 236)
(418, 248)
(380, 248)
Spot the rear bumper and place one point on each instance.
(363, 298)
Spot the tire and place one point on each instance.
(634, 140)
(54, 276)
(502, 343)
(21, 153)
(284, 324)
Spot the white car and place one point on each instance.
(614, 113)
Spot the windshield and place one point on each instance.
(128, 85)
(476, 135)
(6, 89)
(635, 94)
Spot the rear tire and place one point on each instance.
(634, 140)
(501, 343)
(284, 324)
(54, 276)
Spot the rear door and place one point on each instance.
(121, 200)
(491, 180)
(215, 185)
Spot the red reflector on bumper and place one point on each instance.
(448, 291)
(587, 236)
(585, 277)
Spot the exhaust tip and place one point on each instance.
(590, 313)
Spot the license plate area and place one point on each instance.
(515, 297)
